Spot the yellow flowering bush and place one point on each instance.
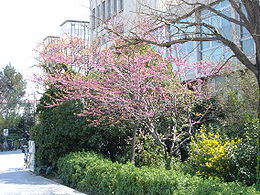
(209, 153)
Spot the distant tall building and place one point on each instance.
(71, 28)
(50, 39)
(75, 28)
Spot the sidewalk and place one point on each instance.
(16, 180)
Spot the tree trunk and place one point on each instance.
(167, 158)
(258, 139)
(258, 82)
(133, 145)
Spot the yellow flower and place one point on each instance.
(209, 150)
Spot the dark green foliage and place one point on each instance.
(112, 141)
(11, 122)
(239, 162)
(28, 117)
(148, 153)
(240, 103)
(92, 173)
(12, 89)
(234, 117)
(59, 131)
(208, 111)
(243, 159)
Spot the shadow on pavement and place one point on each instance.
(22, 177)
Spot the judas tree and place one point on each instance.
(134, 84)
(210, 24)
(67, 54)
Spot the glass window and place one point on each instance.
(109, 8)
(187, 49)
(247, 42)
(222, 25)
(178, 29)
(121, 5)
(98, 15)
(75, 29)
(93, 18)
(215, 50)
(103, 10)
(205, 45)
(245, 33)
(115, 6)
(248, 46)
(72, 29)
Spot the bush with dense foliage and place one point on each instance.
(148, 153)
(243, 159)
(209, 152)
(230, 159)
(240, 121)
(59, 131)
(92, 173)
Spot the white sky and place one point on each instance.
(24, 23)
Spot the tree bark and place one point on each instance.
(167, 158)
(258, 129)
(258, 82)
(132, 158)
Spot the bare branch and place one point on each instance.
(217, 12)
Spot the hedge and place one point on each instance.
(90, 172)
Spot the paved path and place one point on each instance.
(16, 180)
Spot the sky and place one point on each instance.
(25, 23)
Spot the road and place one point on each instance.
(16, 180)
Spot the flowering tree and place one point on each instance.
(68, 54)
(133, 84)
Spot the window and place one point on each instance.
(93, 18)
(103, 10)
(248, 45)
(247, 42)
(185, 50)
(75, 29)
(109, 8)
(121, 5)
(214, 50)
(98, 15)
(115, 6)
(72, 29)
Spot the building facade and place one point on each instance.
(50, 39)
(128, 13)
(120, 13)
(75, 28)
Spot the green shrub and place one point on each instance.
(213, 154)
(92, 173)
(243, 160)
(209, 153)
(59, 131)
(148, 153)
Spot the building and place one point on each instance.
(105, 11)
(128, 12)
(75, 28)
(50, 39)
(120, 13)
(212, 51)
